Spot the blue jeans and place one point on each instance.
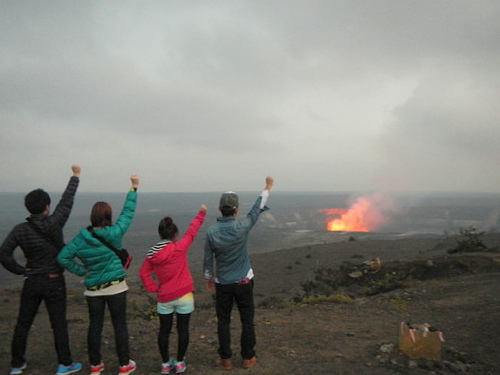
(52, 291)
(225, 296)
(117, 305)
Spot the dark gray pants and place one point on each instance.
(225, 296)
(51, 290)
(117, 305)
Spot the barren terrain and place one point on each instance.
(298, 332)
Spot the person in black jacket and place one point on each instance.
(41, 238)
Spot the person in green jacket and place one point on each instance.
(105, 277)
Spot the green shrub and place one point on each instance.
(335, 298)
(399, 303)
(468, 240)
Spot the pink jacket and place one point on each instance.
(170, 266)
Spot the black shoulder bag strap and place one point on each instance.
(44, 235)
(111, 247)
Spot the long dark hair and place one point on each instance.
(167, 228)
(101, 215)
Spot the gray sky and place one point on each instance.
(215, 95)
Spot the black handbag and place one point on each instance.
(122, 254)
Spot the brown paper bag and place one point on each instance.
(420, 343)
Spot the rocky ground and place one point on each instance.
(313, 317)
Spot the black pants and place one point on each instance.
(117, 304)
(52, 291)
(166, 321)
(225, 296)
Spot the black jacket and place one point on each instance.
(40, 251)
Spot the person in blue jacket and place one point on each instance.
(226, 242)
(105, 277)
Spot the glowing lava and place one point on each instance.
(365, 215)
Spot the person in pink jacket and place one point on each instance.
(168, 260)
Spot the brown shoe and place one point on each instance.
(226, 364)
(247, 363)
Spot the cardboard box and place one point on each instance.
(417, 342)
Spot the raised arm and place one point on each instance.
(260, 204)
(125, 219)
(193, 229)
(265, 192)
(61, 213)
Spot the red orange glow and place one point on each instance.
(364, 215)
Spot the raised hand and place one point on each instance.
(135, 181)
(269, 182)
(76, 170)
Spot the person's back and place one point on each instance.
(41, 236)
(173, 285)
(41, 239)
(226, 241)
(90, 254)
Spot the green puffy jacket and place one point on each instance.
(98, 263)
